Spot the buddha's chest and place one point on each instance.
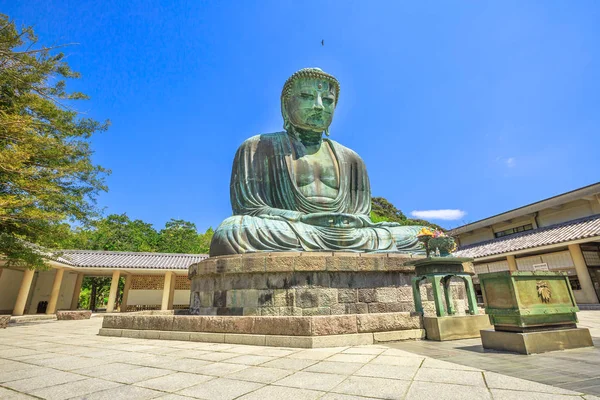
(317, 175)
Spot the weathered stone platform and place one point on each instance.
(536, 342)
(306, 284)
(63, 315)
(456, 327)
(290, 331)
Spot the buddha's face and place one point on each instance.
(311, 104)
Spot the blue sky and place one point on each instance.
(473, 106)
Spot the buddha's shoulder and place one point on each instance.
(348, 152)
(263, 139)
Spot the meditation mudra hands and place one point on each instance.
(328, 219)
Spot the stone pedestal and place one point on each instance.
(63, 315)
(455, 327)
(536, 342)
(302, 284)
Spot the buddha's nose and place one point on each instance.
(318, 104)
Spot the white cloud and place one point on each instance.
(447, 215)
(511, 162)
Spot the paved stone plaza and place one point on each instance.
(67, 359)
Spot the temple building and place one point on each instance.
(153, 281)
(561, 233)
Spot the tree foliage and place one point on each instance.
(46, 172)
(384, 211)
(117, 232)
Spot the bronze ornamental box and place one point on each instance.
(520, 301)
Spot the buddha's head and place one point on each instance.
(308, 100)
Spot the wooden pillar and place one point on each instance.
(168, 291)
(58, 275)
(76, 291)
(128, 279)
(583, 274)
(114, 288)
(512, 263)
(23, 292)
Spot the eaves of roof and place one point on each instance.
(560, 233)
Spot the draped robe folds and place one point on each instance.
(267, 203)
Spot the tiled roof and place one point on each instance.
(124, 259)
(572, 230)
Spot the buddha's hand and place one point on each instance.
(338, 220)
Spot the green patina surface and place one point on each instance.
(518, 300)
(297, 191)
(439, 271)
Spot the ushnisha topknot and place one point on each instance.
(310, 73)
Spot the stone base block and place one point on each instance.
(308, 342)
(64, 315)
(455, 327)
(536, 342)
(4, 320)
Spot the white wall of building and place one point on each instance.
(154, 297)
(10, 282)
(42, 288)
(181, 297)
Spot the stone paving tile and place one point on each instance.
(24, 373)
(388, 371)
(373, 387)
(364, 350)
(289, 363)
(249, 359)
(101, 370)
(311, 380)
(433, 363)
(11, 366)
(316, 354)
(152, 360)
(184, 353)
(441, 391)
(173, 396)
(12, 353)
(401, 353)
(282, 393)
(6, 394)
(361, 358)
(333, 367)
(31, 384)
(497, 381)
(69, 363)
(217, 356)
(184, 365)
(243, 349)
(260, 374)
(74, 389)
(220, 389)
(275, 352)
(174, 382)
(220, 369)
(339, 396)
(136, 375)
(501, 394)
(123, 392)
(471, 378)
(402, 361)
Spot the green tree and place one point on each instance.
(179, 236)
(119, 233)
(205, 240)
(46, 172)
(384, 211)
